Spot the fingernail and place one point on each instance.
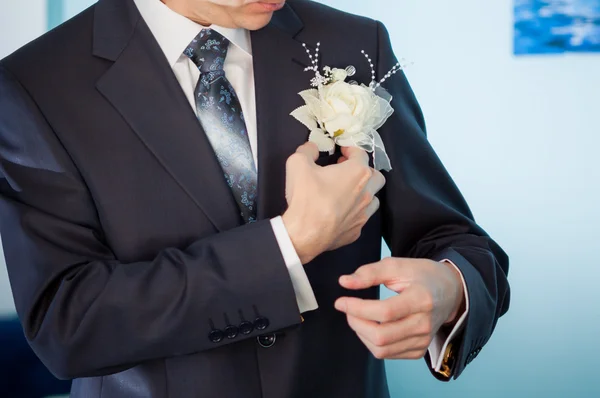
(339, 305)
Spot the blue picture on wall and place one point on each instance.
(556, 26)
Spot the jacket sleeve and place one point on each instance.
(84, 312)
(425, 216)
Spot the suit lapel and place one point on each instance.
(143, 89)
(279, 62)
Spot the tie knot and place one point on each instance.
(208, 51)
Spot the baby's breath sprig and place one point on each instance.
(314, 60)
(319, 79)
(322, 79)
(395, 69)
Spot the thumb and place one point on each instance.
(310, 150)
(356, 154)
(383, 272)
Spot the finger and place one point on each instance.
(401, 350)
(388, 310)
(375, 183)
(411, 355)
(309, 149)
(342, 159)
(374, 274)
(353, 153)
(384, 334)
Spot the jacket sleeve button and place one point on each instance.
(261, 323)
(231, 332)
(246, 328)
(216, 336)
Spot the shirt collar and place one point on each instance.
(174, 32)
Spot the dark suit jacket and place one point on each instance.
(124, 245)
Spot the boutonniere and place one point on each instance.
(346, 113)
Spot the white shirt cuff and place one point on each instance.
(305, 296)
(440, 342)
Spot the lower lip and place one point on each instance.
(269, 7)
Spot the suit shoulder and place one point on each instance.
(54, 46)
(314, 13)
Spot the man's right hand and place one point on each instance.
(328, 206)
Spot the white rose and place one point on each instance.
(344, 114)
(345, 108)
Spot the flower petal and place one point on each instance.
(341, 122)
(324, 143)
(311, 93)
(305, 116)
(340, 105)
(317, 107)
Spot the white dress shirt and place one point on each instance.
(174, 33)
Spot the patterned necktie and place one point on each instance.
(221, 117)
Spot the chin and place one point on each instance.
(257, 22)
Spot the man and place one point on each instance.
(141, 270)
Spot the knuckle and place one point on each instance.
(387, 314)
(426, 326)
(294, 159)
(366, 273)
(367, 198)
(423, 298)
(365, 203)
(352, 235)
(363, 272)
(375, 203)
(379, 353)
(360, 271)
(363, 174)
(387, 262)
(361, 220)
(427, 301)
(379, 179)
(379, 339)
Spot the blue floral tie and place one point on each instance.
(221, 117)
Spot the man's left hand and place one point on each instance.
(430, 296)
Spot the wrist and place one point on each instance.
(298, 236)
(460, 302)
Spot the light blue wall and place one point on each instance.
(521, 137)
(55, 12)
